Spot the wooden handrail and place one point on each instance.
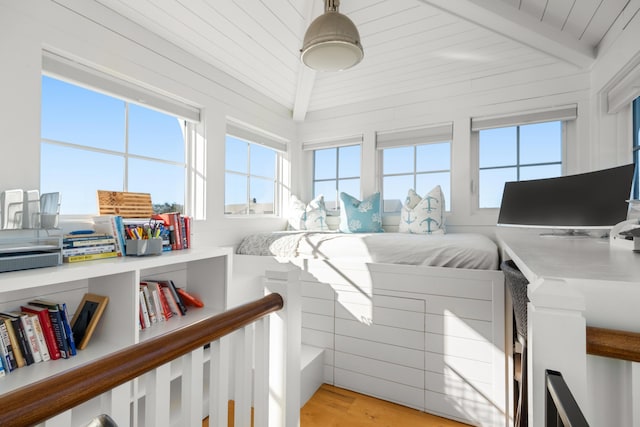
(613, 343)
(39, 401)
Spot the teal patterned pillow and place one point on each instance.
(360, 216)
(423, 215)
(308, 217)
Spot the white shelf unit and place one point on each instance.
(202, 271)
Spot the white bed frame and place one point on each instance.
(430, 338)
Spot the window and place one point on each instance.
(417, 159)
(92, 141)
(517, 153)
(251, 171)
(336, 170)
(636, 146)
(518, 148)
(419, 167)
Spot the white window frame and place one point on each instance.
(310, 147)
(414, 137)
(562, 114)
(76, 73)
(256, 136)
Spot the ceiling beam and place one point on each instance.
(306, 76)
(304, 89)
(508, 21)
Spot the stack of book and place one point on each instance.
(179, 227)
(38, 331)
(88, 245)
(160, 300)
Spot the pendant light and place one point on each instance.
(332, 41)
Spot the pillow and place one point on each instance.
(308, 217)
(423, 216)
(360, 216)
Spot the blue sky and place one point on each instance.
(76, 115)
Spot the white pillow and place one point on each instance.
(308, 217)
(423, 215)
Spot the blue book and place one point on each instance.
(61, 327)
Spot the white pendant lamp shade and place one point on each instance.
(332, 41)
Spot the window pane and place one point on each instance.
(541, 143)
(350, 186)
(498, 147)
(328, 190)
(433, 157)
(263, 161)
(426, 181)
(397, 160)
(540, 172)
(262, 195)
(325, 163)
(395, 190)
(235, 193)
(349, 161)
(155, 134)
(166, 187)
(80, 116)
(236, 155)
(492, 185)
(79, 184)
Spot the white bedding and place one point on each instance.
(456, 250)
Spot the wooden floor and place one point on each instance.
(336, 407)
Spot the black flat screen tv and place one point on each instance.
(592, 200)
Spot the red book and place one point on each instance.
(47, 328)
(187, 230)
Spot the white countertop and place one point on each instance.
(585, 258)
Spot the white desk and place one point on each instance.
(576, 282)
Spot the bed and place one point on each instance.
(413, 319)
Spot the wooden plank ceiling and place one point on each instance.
(409, 45)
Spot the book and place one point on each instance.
(145, 322)
(57, 322)
(187, 231)
(21, 337)
(172, 288)
(189, 298)
(39, 333)
(47, 328)
(15, 345)
(30, 335)
(148, 299)
(89, 257)
(157, 305)
(112, 224)
(85, 250)
(87, 242)
(173, 305)
(7, 349)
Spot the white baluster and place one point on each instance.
(244, 366)
(261, 375)
(116, 404)
(158, 397)
(60, 420)
(219, 382)
(192, 383)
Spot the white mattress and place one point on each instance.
(456, 250)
